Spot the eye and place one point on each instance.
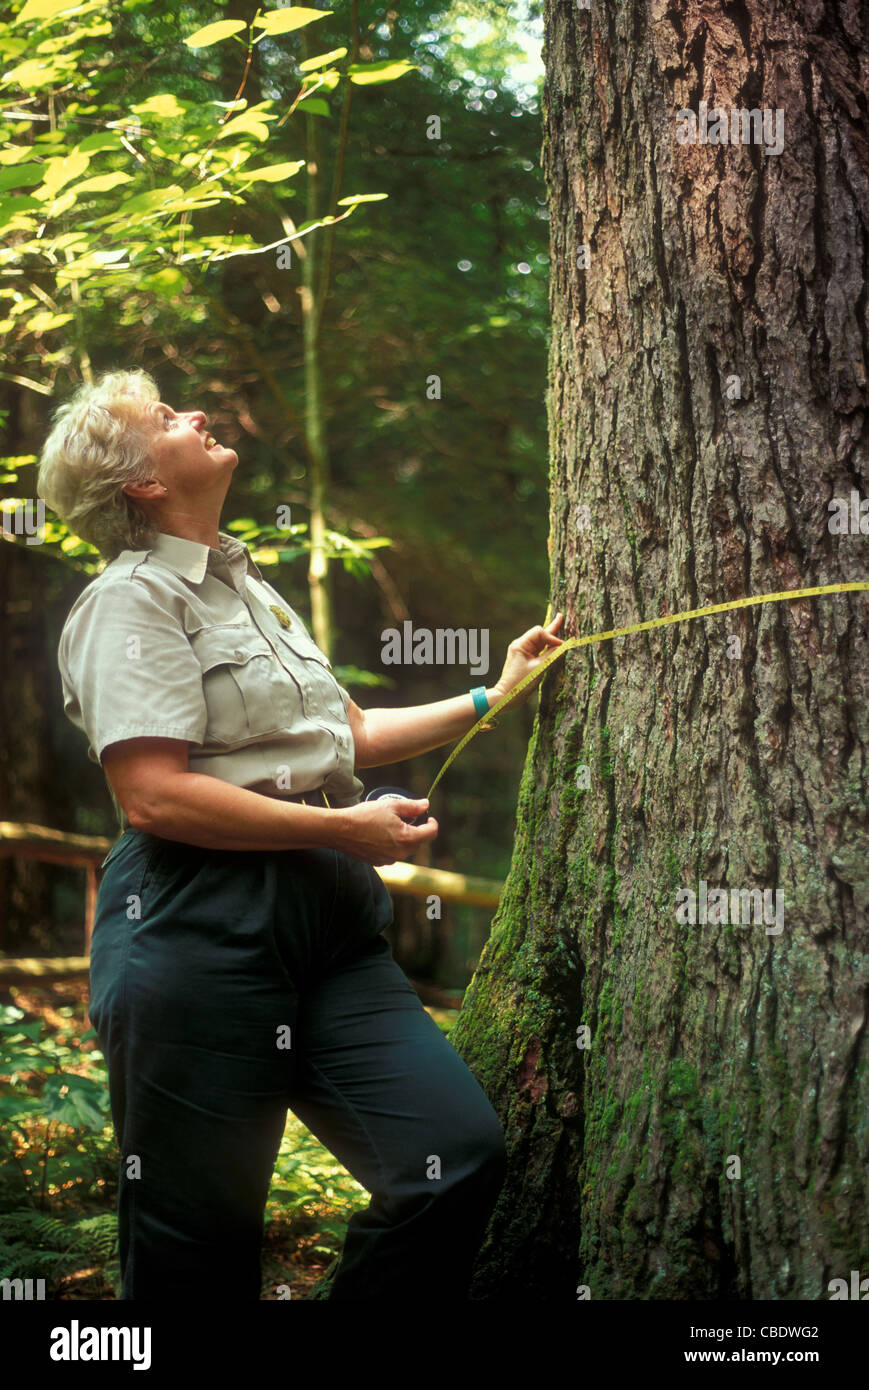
(169, 421)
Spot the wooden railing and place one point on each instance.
(88, 852)
(59, 847)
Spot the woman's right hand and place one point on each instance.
(379, 831)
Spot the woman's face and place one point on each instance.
(183, 452)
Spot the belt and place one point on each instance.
(315, 797)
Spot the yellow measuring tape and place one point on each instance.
(488, 720)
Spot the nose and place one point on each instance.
(197, 418)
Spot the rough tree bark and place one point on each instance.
(707, 399)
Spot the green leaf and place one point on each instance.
(362, 198)
(59, 205)
(11, 1107)
(366, 73)
(163, 106)
(211, 246)
(328, 79)
(42, 323)
(35, 75)
(60, 170)
(71, 545)
(29, 1030)
(21, 176)
(12, 207)
(76, 1110)
(42, 9)
(99, 141)
(314, 106)
(248, 123)
(16, 154)
(213, 33)
(316, 222)
(168, 282)
(311, 64)
(12, 48)
(22, 303)
(153, 199)
(101, 183)
(272, 173)
(283, 21)
(165, 201)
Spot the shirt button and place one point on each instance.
(239, 656)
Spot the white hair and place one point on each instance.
(100, 442)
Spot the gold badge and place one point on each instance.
(280, 615)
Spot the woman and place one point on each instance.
(238, 965)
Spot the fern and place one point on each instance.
(24, 1261)
(99, 1234)
(33, 1245)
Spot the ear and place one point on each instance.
(146, 492)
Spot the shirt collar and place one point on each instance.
(189, 559)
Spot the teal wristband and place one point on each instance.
(481, 702)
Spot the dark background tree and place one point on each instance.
(707, 400)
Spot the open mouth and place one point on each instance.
(211, 442)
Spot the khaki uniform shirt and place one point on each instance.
(183, 641)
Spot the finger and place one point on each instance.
(530, 643)
(548, 638)
(532, 635)
(542, 651)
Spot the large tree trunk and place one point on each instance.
(707, 400)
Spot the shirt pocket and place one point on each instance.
(247, 693)
(301, 645)
(316, 669)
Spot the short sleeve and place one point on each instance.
(128, 669)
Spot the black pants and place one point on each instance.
(229, 987)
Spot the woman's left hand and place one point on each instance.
(524, 656)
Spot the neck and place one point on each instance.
(191, 526)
